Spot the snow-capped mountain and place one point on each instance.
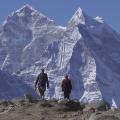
(87, 49)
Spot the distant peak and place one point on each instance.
(27, 12)
(26, 8)
(78, 17)
(79, 11)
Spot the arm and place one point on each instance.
(70, 85)
(47, 81)
(36, 81)
(62, 85)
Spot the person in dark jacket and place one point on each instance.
(66, 87)
(42, 81)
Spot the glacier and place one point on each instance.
(87, 49)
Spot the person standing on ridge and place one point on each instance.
(66, 87)
(42, 81)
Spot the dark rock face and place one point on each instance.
(12, 86)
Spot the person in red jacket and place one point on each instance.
(66, 87)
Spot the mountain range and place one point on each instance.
(87, 49)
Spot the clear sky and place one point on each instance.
(62, 10)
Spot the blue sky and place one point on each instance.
(62, 10)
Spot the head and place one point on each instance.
(42, 70)
(66, 76)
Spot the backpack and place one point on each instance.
(42, 79)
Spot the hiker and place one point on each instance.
(42, 81)
(66, 87)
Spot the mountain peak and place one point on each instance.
(78, 17)
(26, 9)
(79, 11)
(27, 6)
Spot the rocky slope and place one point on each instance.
(52, 110)
(87, 49)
